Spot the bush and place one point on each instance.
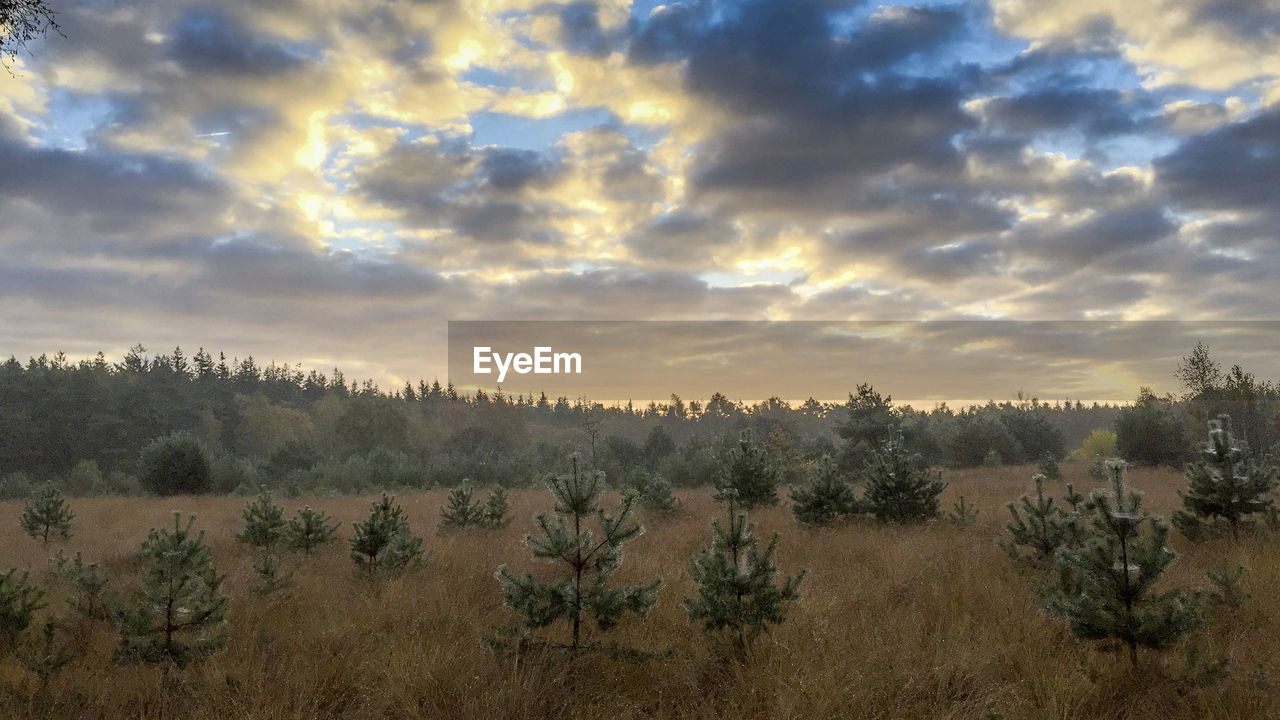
(899, 485)
(1100, 443)
(175, 464)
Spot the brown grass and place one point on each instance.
(922, 622)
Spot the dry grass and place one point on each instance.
(924, 622)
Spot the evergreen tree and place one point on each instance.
(175, 464)
(459, 510)
(1225, 484)
(899, 486)
(1111, 575)
(962, 514)
(19, 600)
(750, 475)
(181, 615)
(270, 578)
(309, 529)
(1042, 527)
(587, 564)
(264, 523)
(653, 492)
(47, 655)
(47, 513)
(495, 509)
(1049, 467)
(736, 589)
(828, 496)
(383, 542)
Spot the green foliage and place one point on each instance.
(496, 509)
(1150, 432)
(1100, 442)
(269, 576)
(175, 464)
(868, 421)
(383, 542)
(737, 593)
(19, 600)
(827, 497)
(1226, 586)
(45, 514)
(653, 492)
(88, 594)
(1041, 528)
(586, 564)
(1225, 485)
(181, 615)
(264, 523)
(309, 529)
(962, 514)
(1111, 576)
(993, 459)
(460, 511)
(749, 474)
(900, 487)
(46, 656)
(1048, 467)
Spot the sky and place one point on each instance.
(330, 182)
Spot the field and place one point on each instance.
(919, 622)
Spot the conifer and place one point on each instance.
(737, 594)
(46, 514)
(309, 529)
(264, 523)
(496, 508)
(19, 600)
(750, 475)
(1042, 527)
(459, 510)
(899, 486)
(586, 563)
(383, 542)
(828, 496)
(1109, 594)
(1225, 485)
(181, 615)
(962, 514)
(654, 493)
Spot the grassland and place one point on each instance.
(919, 622)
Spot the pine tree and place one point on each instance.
(1109, 593)
(309, 529)
(264, 523)
(587, 564)
(1049, 467)
(383, 542)
(736, 589)
(181, 615)
(654, 493)
(1042, 527)
(827, 497)
(459, 510)
(270, 578)
(899, 488)
(46, 656)
(750, 475)
(1224, 485)
(962, 514)
(495, 509)
(19, 600)
(45, 514)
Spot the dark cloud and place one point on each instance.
(117, 191)
(1107, 232)
(1234, 167)
(208, 40)
(1092, 111)
(681, 236)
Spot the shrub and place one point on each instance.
(827, 497)
(383, 542)
(46, 513)
(900, 487)
(175, 464)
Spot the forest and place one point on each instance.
(85, 426)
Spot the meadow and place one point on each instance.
(928, 621)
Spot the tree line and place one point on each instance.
(96, 426)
